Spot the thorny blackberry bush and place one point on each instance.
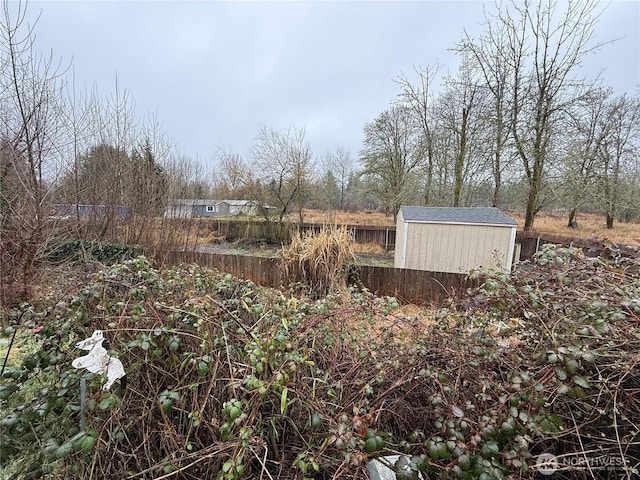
(228, 380)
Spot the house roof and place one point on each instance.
(191, 202)
(475, 215)
(238, 203)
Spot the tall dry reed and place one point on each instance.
(320, 262)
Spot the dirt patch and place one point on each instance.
(380, 259)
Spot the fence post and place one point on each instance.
(83, 402)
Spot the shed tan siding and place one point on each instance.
(455, 248)
(399, 250)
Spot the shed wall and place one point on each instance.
(453, 248)
(399, 250)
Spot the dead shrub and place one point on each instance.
(319, 262)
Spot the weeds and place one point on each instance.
(227, 380)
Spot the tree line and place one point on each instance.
(515, 127)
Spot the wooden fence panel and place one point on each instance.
(274, 232)
(532, 241)
(381, 235)
(261, 270)
(409, 286)
(413, 286)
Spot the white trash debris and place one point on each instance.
(98, 359)
(378, 470)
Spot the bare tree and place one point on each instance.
(81, 133)
(619, 152)
(233, 177)
(341, 165)
(543, 48)
(588, 128)
(487, 55)
(31, 87)
(283, 160)
(458, 114)
(391, 157)
(419, 99)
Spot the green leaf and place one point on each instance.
(174, 343)
(493, 447)
(203, 369)
(560, 373)
(166, 405)
(283, 400)
(63, 450)
(108, 402)
(227, 466)
(457, 412)
(87, 443)
(7, 390)
(582, 381)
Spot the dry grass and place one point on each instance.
(342, 217)
(369, 248)
(590, 226)
(321, 261)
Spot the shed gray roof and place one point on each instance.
(482, 215)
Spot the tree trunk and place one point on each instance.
(495, 202)
(429, 182)
(610, 216)
(457, 189)
(532, 204)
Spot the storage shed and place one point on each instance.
(454, 239)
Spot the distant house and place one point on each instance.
(454, 239)
(67, 210)
(188, 208)
(239, 207)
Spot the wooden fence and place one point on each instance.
(380, 235)
(272, 232)
(264, 271)
(531, 242)
(413, 286)
(409, 286)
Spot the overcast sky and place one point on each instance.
(212, 71)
